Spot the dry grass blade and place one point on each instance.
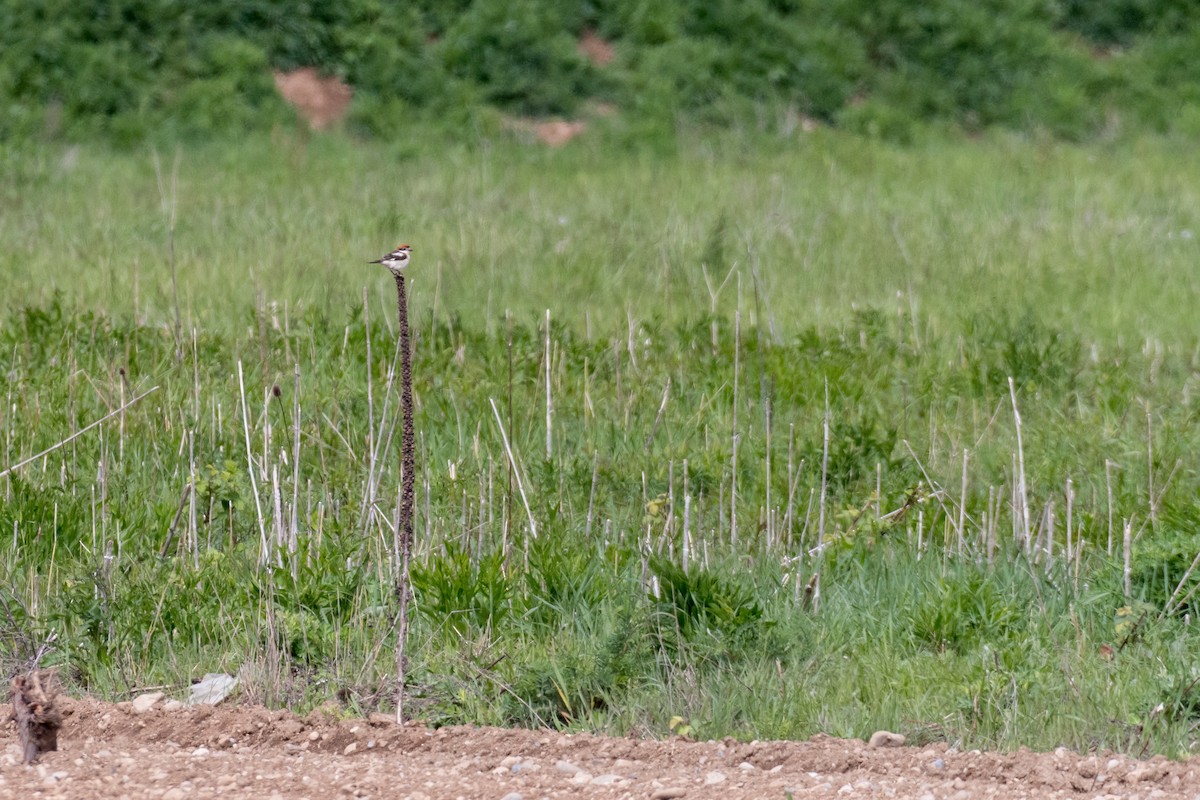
(77, 434)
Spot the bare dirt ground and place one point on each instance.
(112, 751)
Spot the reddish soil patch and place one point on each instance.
(322, 102)
(252, 752)
(554, 133)
(596, 50)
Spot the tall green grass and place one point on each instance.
(762, 365)
(1088, 239)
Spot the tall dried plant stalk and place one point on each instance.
(407, 484)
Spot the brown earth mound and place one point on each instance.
(322, 102)
(252, 752)
(597, 50)
(553, 133)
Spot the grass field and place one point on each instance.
(765, 360)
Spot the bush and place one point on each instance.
(461, 591)
(1121, 21)
(128, 68)
(583, 675)
(521, 55)
(1160, 562)
(961, 61)
(704, 608)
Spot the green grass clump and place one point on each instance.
(972, 588)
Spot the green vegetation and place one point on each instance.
(239, 517)
(136, 69)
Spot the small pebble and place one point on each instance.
(714, 778)
(143, 703)
(512, 796)
(668, 793)
(606, 780)
(938, 764)
(886, 739)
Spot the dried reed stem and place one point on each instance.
(262, 528)
(512, 463)
(549, 402)
(815, 583)
(1150, 468)
(4, 472)
(1128, 553)
(1108, 486)
(402, 593)
(962, 504)
(369, 496)
(404, 522)
(733, 461)
(1021, 486)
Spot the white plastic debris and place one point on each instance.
(215, 687)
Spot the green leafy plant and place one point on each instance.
(461, 591)
(709, 609)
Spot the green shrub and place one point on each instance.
(134, 68)
(461, 591)
(566, 579)
(520, 54)
(1161, 561)
(962, 610)
(1120, 21)
(227, 86)
(584, 673)
(704, 609)
(1020, 347)
(948, 59)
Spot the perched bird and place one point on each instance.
(396, 260)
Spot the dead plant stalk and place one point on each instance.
(407, 483)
